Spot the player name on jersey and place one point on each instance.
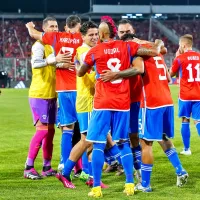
(111, 51)
(70, 40)
(193, 57)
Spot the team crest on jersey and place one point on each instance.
(44, 117)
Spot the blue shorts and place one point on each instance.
(153, 123)
(102, 121)
(134, 112)
(67, 108)
(186, 108)
(84, 119)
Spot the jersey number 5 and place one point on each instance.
(114, 64)
(160, 66)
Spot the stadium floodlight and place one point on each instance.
(124, 17)
(138, 15)
(134, 17)
(158, 15)
(197, 15)
(129, 15)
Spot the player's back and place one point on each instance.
(189, 74)
(67, 42)
(156, 92)
(114, 56)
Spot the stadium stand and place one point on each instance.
(17, 43)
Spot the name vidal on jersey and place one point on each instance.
(111, 51)
(193, 57)
(69, 40)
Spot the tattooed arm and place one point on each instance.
(154, 50)
(137, 68)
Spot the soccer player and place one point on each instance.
(42, 99)
(84, 106)
(84, 101)
(125, 27)
(111, 101)
(154, 107)
(187, 63)
(65, 78)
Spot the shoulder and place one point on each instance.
(38, 46)
(179, 58)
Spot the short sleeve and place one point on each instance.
(133, 46)
(175, 65)
(49, 38)
(89, 58)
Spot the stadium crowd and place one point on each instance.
(12, 40)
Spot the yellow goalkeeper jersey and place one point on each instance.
(43, 75)
(84, 85)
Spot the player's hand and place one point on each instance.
(30, 25)
(159, 42)
(108, 76)
(63, 58)
(69, 65)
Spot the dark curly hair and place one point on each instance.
(128, 36)
(86, 26)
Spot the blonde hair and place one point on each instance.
(188, 39)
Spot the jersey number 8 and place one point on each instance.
(114, 64)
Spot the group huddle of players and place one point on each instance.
(116, 87)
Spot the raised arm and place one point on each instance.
(33, 32)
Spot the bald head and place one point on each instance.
(104, 31)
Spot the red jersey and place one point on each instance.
(114, 56)
(188, 66)
(68, 42)
(155, 92)
(135, 88)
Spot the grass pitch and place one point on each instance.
(16, 130)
